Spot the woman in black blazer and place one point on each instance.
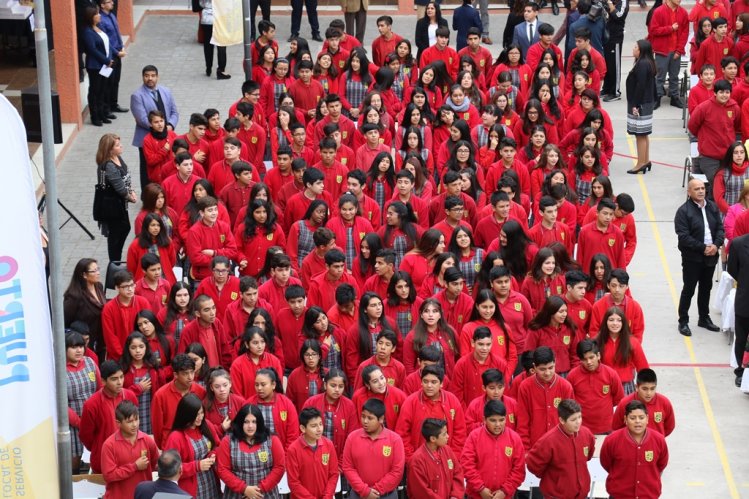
(433, 16)
(641, 96)
(98, 54)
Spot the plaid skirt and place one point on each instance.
(642, 124)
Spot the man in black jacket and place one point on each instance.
(700, 233)
(738, 267)
(612, 49)
(170, 469)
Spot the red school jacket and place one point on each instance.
(597, 392)
(312, 472)
(118, 464)
(344, 417)
(475, 412)
(393, 399)
(98, 424)
(117, 323)
(634, 468)
(496, 462)
(562, 340)
(164, 407)
(660, 413)
(537, 406)
(285, 419)
(467, 383)
(435, 475)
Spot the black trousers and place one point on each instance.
(356, 22)
(612, 53)
(208, 49)
(296, 16)
(264, 10)
(742, 332)
(118, 232)
(694, 274)
(98, 98)
(114, 84)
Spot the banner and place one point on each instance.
(227, 23)
(27, 390)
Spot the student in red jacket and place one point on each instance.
(97, 417)
(470, 368)
(129, 456)
(493, 457)
(393, 369)
(278, 411)
(373, 458)
(208, 238)
(376, 387)
(659, 408)
(432, 328)
(151, 285)
(619, 349)
(221, 286)
(306, 380)
(597, 388)
(456, 305)
(322, 286)
(311, 460)
(553, 328)
(635, 456)
(618, 296)
(440, 51)
(538, 398)
(118, 315)
(340, 417)
(434, 470)
(514, 307)
(253, 356)
(166, 399)
(193, 437)
(560, 458)
(157, 148)
(274, 289)
(220, 404)
(153, 233)
(544, 279)
(208, 330)
(431, 402)
(306, 91)
(493, 384)
(602, 236)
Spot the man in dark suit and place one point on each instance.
(738, 267)
(700, 234)
(150, 97)
(526, 33)
(170, 469)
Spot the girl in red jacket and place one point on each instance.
(257, 232)
(325, 72)
(220, 404)
(544, 279)
(161, 345)
(354, 81)
(619, 349)
(177, 312)
(587, 168)
(339, 412)
(153, 237)
(274, 85)
(550, 160)
(83, 379)
(413, 143)
(401, 82)
(306, 380)
(551, 327)
(330, 338)
(154, 201)
(400, 231)
(731, 178)
(193, 437)
(533, 115)
(402, 306)
(262, 318)
(431, 327)
(599, 272)
(582, 62)
(263, 67)
(278, 411)
(157, 148)
(486, 313)
(142, 375)
(253, 357)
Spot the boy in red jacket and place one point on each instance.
(305, 91)
(222, 286)
(97, 418)
(152, 286)
(440, 51)
(129, 456)
(493, 381)
(635, 456)
(493, 457)
(311, 461)
(434, 471)
(207, 330)
(373, 457)
(289, 322)
(431, 402)
(539, 396)
(578, 307)
(618, 285)
(659, 408)
(472, 365)
(118, 315)
(560, 458)
(208, 238)
(376, 387)
(393, 369)
(166, 399)
(273, 290)
(597, 387)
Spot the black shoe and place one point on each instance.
(110, 116)
(106, 120)
(676, 102)
(612, 97)
(118, 109)
(293, 37)
(316, 37)
(643, 169)
(707, 323)
(657, 103)
(222, 76)
(738, 381)
(96, 122)
(208, 71)
(684, 329)
(555, 9)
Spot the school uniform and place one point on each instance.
(339, 419)
(240, 465)
(289, 329)
(467, 383)
(597, 392)
(157, 298)
(660, 413)
(213, 338)
(97, 422)
(496, 462)
(609, 241)
(416, 408)
(312, 472)
(373, 463)
(243, 371)
(219, 411)
(562, 340)
(634, 469)
(272, 293)
(475, 412)
(579, 312)
(537, 406)
(321, 291)
(193, 447)
(280, 417)
(217, 237)
(394, 372)
(517, 312)
(118, 468)
(632, 311)
(117, 322)
(393, 399)
(223, 297)
(447, 346)
(303, 384)
(435, 474)
(165, 402)
(538, 291)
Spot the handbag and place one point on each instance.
(108, 204)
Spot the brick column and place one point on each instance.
(66, 61)
(406, 7)
(125, 18)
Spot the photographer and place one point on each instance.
(612, 50)
(592, 17)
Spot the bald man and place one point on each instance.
(700, 233)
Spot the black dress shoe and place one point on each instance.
(738, 381)
(657, 103)
(684, 329)
(111, 116)
(316, 37)
(612, 97)
(677, 102)
(96, 122)
(708, 324)
(106, 120)
(222, 76)
(555, 9)
(119, 109)
(208, 71)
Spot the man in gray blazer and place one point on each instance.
(150, 97)
(526, 33)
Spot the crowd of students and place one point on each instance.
(428, 288)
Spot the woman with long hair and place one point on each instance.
(409, 64)
(279, 412)
(348, 226)
(377, 116)
(507, 115)
(162, 346)
(257, 232)
(142, 368)
(431, 328)
(488, 154)
(193, 437)
(705, 29)
(599, 273)
(419, 262)
(326, 73)
(426, 85)
(361, 339)
(424, 184)
(153, 239)
(434, 282)
(95, 45)
(363, 266)
(583, 62)
(734, 211)
(426, 27)
(533, 115)
(552, 327)
(339, 413)
(281, 134)
(401, 81)
(253, 357)
(250, 460)
(486, 313)
(354, 81)
(641, 101)
(262, 319)
(329, 336)
(469, 256)
(413, 143)
(549, 161)
(298, 47)
(306, 380)
(412, 116)
(274, 85)
(299, 244)
(190, 215)
(462, 106)
(402, 305)
(220, 404)
(83, 379)
(531, 153)
(459, 131)
(592, 124)
(578, 110)
(177, 312)
(84, 300)
(381, 179)
(112, 172)
(154, 201)
(400, 232)
(543, 280)
(587, 167)
(491, 260)
(620, 350)
(731, 178)
(196, 351)
(383, 83)
(516, 248)
(469, 79)
(262, 68)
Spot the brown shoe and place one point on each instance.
(486, 40)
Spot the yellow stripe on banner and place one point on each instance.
(732, 489)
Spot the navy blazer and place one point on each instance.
(520, 36)
(96, 53)
(142, 103)
(146, 490)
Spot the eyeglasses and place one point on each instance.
(93, 271)
(220, 271)
(311, 355)
(126, 286)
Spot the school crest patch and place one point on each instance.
(518, 307)
(500, 340)
(512, 418)
(269, 237)
(611, 242)
(284, 415)
(344, 135)
(623, 227)
(559, 290)
(606, 389)
(164, 299)
(562, 236)
(586, 451)
(222, 237)
(361, 235)
(477, 267)
(92, 376)
(730, 114)
(452, 414)
(263, 456)
(234, 295)
(339, 179)
(387, 450)
(649, 456)
(254, 140)
(482, 62)
(581, 314)
(391, 381)
(343, 424)
(658, 417)
(325, 459)
(449, 464)
(557, 400)
(337, 347)
(566, 339)
(396, 408)
(460, 319)
(508, 451)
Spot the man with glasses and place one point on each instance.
(222, 286)
(118, 315)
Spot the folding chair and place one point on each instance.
(689, 163)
